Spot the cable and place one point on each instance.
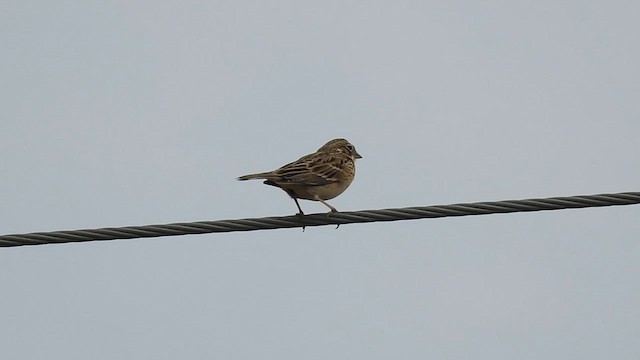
(338, 218)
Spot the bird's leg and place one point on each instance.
(326, 204)
(299, 208)
(329, 206)
(300, 214)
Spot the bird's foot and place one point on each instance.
(300, 217)
(333, 210)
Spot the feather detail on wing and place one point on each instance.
(314, 169)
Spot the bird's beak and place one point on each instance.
(356, 155)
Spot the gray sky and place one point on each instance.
(117, 113)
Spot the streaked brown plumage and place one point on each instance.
(320, 176)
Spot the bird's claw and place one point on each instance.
(300, 217)
(329, 215)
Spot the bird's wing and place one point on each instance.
(314, 169)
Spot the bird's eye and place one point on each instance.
(350, 147)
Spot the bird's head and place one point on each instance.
(341, 146)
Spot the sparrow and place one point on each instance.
(320, 176)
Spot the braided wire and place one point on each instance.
(337, 218)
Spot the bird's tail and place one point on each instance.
(263, 175)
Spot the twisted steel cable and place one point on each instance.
(339, 218)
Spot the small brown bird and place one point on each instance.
(320, 176)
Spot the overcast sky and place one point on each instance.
(117, 113)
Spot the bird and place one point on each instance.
(319, 176)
